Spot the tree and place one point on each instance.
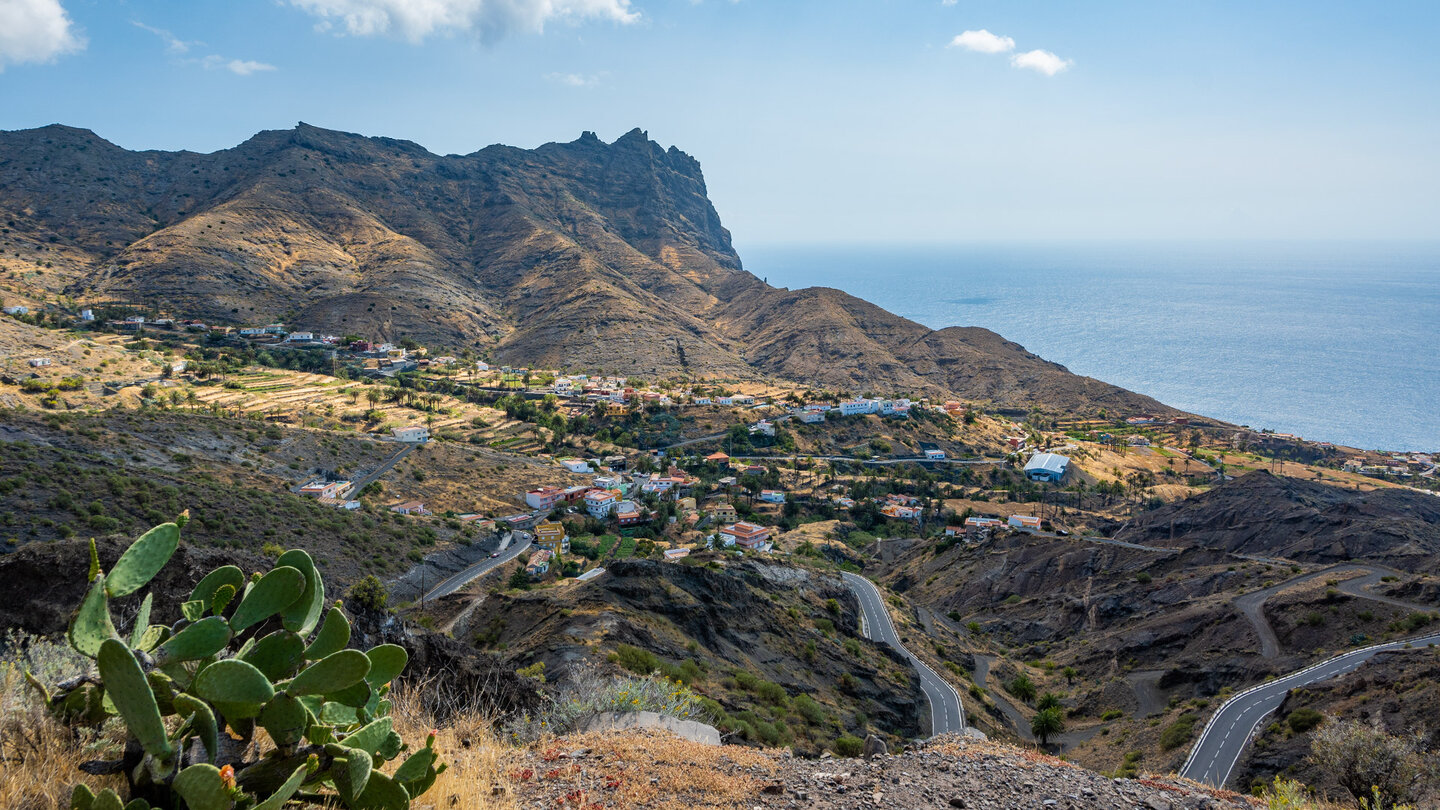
(519, 579)
(1380, 770)
(1047, 722)
(1070, 673)
(1022, 687)
(1049, 700)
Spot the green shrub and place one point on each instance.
(641, 662)
(1303, 719)
(848, 746)
(370, 594)
(1177, 733)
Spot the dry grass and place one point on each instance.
(636, 769)
(467, 742)
(39, 758)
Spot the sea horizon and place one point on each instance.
(1329, 340)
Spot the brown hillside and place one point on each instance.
(574, 255)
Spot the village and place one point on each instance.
(755, 469)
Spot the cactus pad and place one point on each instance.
(143, 560)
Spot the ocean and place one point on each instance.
(1334, 342)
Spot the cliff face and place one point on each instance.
(578, 255)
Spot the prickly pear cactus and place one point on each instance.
(258, 655)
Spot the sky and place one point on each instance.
(816, 121)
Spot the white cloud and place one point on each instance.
(983, 41)
(1040, 62)
(35, 31)
(240, 67)
(490, 19)
(575, 79)
(173, 44)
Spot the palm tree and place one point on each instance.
(191, 398)
(1047, 722)
(372, 396)
(1022, 687)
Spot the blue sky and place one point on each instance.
(815, 120)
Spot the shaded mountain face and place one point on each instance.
(1267, 515)
(575, 255)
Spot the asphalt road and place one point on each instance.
(874, 461)
(385, 467)
(947, 715)
(1228, 732)
(457, 581)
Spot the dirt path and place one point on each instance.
(1146, 686)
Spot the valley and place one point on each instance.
(536, 424)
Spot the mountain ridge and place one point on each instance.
(579, 254)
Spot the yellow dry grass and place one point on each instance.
(39, 758)
(646, 769)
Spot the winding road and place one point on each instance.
(459, 580)
(1223, 741)
(1252, 605)
(947, 715)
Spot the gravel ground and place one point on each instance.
(651, 769)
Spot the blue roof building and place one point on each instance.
(1046, 467)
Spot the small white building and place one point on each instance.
(414, 433)
(772, 496)
(935, 455)
(17, 310)
(87, 315)
(575, 465)
(38, 362)
(1024, 522)
(810, 417)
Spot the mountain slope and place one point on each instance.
(577, 255)
(1263, 514)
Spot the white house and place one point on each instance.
(298, 336)
(324, 489)
(936, 455)
(414, 433)
(745, 535)
(1024, 522)
(763, 428)
(37, 362)
(702, 400)
(600, 502)
(772, 496)
(575, 465)
(676, 553)
(87, 315)
(856, 407)
(811, 417)
(544, 497)
(17, 310)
